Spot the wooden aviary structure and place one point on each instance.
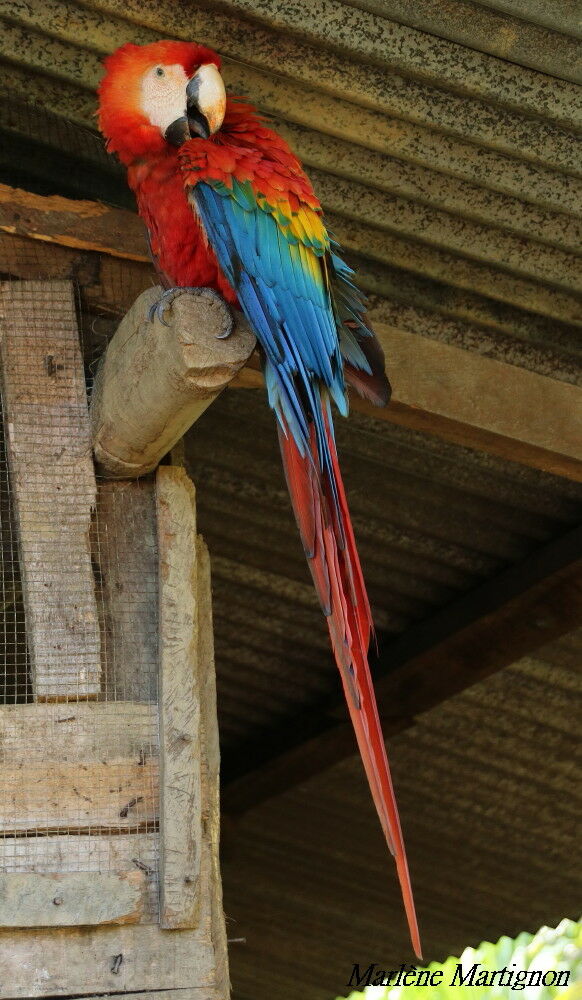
(109, 813)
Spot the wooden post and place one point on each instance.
(49, 453)
(155, 381)
(180, 737)
(210, 767)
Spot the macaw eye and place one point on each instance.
(160, 71)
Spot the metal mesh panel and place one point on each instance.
(79, 737)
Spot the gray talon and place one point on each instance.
(158, 308)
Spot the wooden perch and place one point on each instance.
(155, 381)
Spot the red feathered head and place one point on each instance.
(157, 95)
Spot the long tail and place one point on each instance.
(319, 502)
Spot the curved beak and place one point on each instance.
(205, 101)
(205, 107)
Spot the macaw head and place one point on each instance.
(156, 96)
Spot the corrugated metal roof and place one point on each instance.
(489, 792)
(445, 155)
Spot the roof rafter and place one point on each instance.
(507, 617)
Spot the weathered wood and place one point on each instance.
(485, 403)
(125, 550)
(77, 734)
(74, 767)
(116, 794)
(155, 381)
(74, 899)
(180, 736)
(473, 400)
(108, 959)
(109, 284)
(53, 484)
(86, 225)
(144, 957)
(210, 769)
(60, 853)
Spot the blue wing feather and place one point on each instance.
(291, 313)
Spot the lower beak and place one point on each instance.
(178, 132)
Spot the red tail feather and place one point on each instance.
(326, 531)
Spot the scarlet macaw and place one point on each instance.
(228, 207)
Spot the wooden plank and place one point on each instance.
(473, 400)
(74, 899)
(180, 736)
(125, 550)
(211, 882)
(53, 483)
(85, 225)
(499, 622)
(90, 854)
(122, 958)
(113, 794)
(84, 733)
(483, 402)
(109, 284)
(154, 381)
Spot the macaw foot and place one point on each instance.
(158, 308)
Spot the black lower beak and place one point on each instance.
(187, 127)
(178, 132)
(197, 121)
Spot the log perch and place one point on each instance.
(154, 381)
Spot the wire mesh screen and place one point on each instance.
(78, 625)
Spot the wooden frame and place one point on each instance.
(80, 797)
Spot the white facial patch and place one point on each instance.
(163, 95)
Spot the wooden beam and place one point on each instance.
(473, 400)
(106, 284)
(502, 620)
(459, 395)
(155, 381)
(484, 403)
(84, 225)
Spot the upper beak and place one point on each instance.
(205, 107)
(205, 101)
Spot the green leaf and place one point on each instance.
(556, 951)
